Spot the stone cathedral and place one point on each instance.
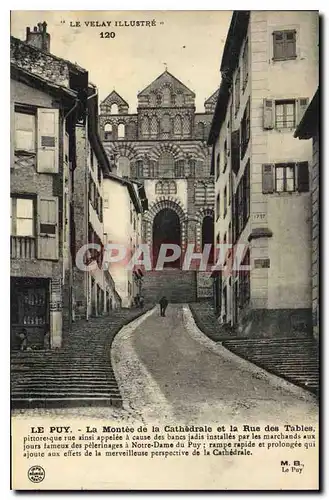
(164, 146)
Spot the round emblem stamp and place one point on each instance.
(36, 474)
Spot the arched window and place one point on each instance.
(178, 125)
(121, 131)
(159, 188)
(123, 166)
(108, 132)
(114, 109)
(145, 126)
(154, 126)
(165, 124)
(186, 125)
(200, 130)
(166, 187)
(166, 95)
(139, 169)
(179, 168)
(166, 165)
(172, 187)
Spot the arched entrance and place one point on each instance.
(208, 235)
(166, 229)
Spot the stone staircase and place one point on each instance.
(177, 285)
(79, 374)
(296, 360)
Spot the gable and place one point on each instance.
(166, 79)
(114, 98)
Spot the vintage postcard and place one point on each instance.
(164, 250)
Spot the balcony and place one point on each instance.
(22, 247)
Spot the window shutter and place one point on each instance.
(47, 228)
(47, 155)
(235, 147)
(268, 114)
(303, 182)
(301, 108)
(267, 178)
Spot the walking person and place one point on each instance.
(163, 305)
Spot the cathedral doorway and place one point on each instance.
(166, 229)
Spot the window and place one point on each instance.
(217, 166)
(139, 168)
(285, 177)
(121, 131)
(284, 45)
(166, 96)
(242, 202)
(178, 126)
(145, 126)
(200, 130)
(165, 124)
(285, 114)
(179, 168)
(237, 91)
(114, 109)
(108, 132)
(217, 207)
(245, 65)
(245, 129)
(106, 202)
(22, 217)
(25, 132)
(225, 201)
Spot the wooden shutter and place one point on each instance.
(235, 147)
(268, 114)
(47, 227)
(267, 178)
(303, 178)
(48, 130)
(302, 104)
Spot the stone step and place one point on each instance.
(65, 402)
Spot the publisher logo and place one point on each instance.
(36, 474)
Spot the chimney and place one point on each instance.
(39, 37)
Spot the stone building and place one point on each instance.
(270, 69)
(48, 98)
(308, 128)
(163, 145)
(53, 131)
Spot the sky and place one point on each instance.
(188, 43)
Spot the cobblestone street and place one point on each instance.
(167, 369)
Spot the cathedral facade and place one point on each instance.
(164, 147)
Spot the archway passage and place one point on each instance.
(166, 229)
(208, 235)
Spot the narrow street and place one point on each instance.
(167, 369)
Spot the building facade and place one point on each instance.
(308, 128)
(57, 169)
(164, 146)
(128, 201)
(262, 194)
(47, 100)
(94, 291)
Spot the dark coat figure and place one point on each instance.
(163, 306)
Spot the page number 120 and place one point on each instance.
(107, 34)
